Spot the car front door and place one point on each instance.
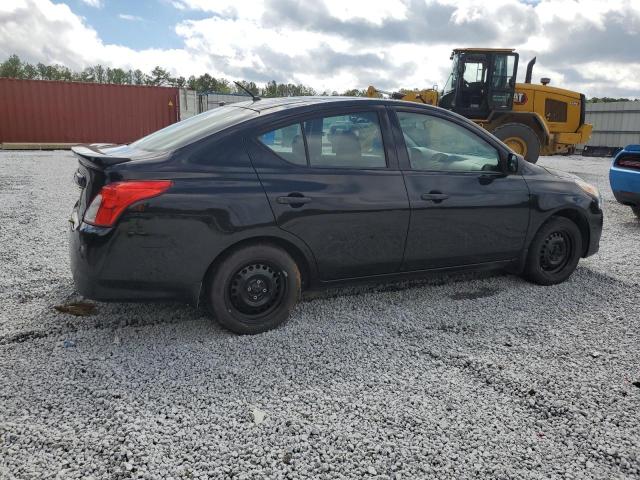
(333, 181)
(464, 209)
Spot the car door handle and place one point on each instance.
(434, 196)
(293, 200)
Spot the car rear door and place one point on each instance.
(464, 209)
(332, 179)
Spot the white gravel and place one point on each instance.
(470, 377)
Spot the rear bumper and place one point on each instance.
(105, 268)
(631, 199)
(625, 184)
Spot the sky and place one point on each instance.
(584, 45)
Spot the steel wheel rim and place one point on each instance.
(556, 251)
(256, 289)
(516, 144)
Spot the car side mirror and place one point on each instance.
(512, 163)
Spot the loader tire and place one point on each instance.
(521, 139)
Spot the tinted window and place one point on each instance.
(184, 132)
(503, 71)
(437, 144)
(351, 141)
(474, 71)
(287, 142)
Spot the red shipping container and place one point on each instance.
(42, 111)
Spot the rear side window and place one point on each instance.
(287, 142)
(187, 131)
(345, 141)
(436, 144)
(342, 141)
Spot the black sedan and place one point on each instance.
(244, 206)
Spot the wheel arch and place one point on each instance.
(580, 220)
(305, 263)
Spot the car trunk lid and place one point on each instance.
(91, 175)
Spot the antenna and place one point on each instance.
(254, 97)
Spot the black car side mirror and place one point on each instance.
(512, 163)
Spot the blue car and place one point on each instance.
(624, 176)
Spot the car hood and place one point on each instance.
(533, 169)
(560, 173)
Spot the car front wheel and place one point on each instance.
(554, 252)
(254, 289)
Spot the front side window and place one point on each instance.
(435, 144)
(345, 141)
(287, 142)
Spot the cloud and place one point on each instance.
(130, 18)
(422, 23)
(584, 45)
(41, 31)
(93, 3)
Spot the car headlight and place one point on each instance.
(590, 189)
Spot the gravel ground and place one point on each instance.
(468, 377)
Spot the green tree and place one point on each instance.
(139, 77)
(117, 76)
(100, 74)
(159, 76)
(251, 86)
(354, 92)
(610, 99)
(12, 67)
(179, 82)
(29, 72)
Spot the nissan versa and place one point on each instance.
(244, 206)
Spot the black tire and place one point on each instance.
(636, 210)
(235, 290)
(524, 134)
(554, 252)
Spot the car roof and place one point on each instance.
(279, 105)
(267, 105)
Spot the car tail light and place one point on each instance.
(112, 200)
(629, 162)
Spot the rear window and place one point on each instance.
(185, 132)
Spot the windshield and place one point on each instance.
(453, 76)
(185, 132)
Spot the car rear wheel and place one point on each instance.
(254, 289)
(636, 210)
(554, 252)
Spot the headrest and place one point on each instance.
(346, 143)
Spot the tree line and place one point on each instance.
(610, 99)
(14, 67)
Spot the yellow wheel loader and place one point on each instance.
(531, 119)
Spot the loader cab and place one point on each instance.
(481, 81)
